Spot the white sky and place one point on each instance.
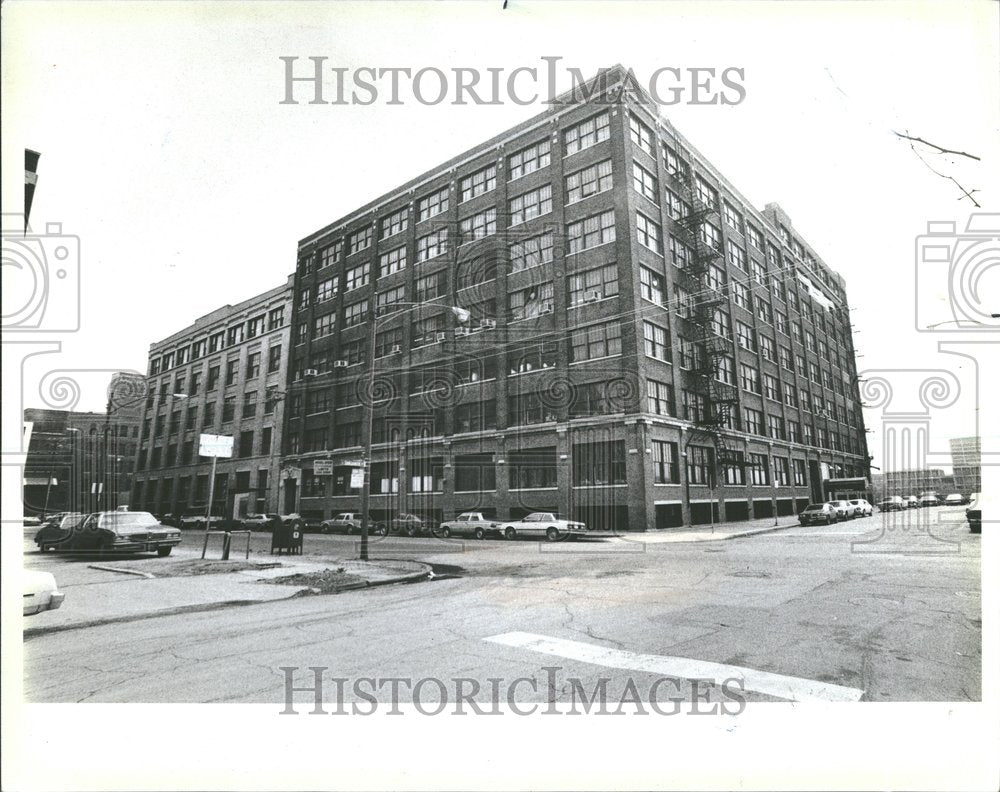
(165, 149)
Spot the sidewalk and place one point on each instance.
(706, 533)
(164, 587)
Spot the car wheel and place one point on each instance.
(445, 531)
(509, 532)
(480, 533)
(383, 531)
(350, 530)
(552, 533)
(163, 552)
(44, 547)
(411, 531)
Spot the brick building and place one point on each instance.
(225, 374)
(966, 464)
(643, 342)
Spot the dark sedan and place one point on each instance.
(409, 524)
(117, 531)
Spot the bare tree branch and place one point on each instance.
(965, 193)
(935, 146)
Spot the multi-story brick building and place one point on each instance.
(643, 342)
(225, 375)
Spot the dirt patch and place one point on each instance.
(192, 567)
(328, 581)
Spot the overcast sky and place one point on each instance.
(166, 150)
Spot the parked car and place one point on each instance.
(843, 509)
(133, 532)
(469, 524)
(169, 519)
(40, 592)
(862, 508)
(955, 499)
(974, 514)
(895, 503)
(929, 499)
(539, 524)
(259, 522)
(31, 520)
(349, 523)
(405, 523)
(823, 513)
(198, 521)
(911, 502)
(53, 535)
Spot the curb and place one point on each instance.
(136, 572)
(757, 531)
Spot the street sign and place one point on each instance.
(323, 467)
(215, 445)
(357, 478)
(97, 488)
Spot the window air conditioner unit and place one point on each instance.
(340, 364)
(592, 296)
(488, 324)
(463, 331)
(546, 309)
(440, 336)
(310, 373)
(395, 349)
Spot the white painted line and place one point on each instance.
(784, 687)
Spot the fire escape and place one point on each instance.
(718, 399)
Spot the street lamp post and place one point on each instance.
(462, 316)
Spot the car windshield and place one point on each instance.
(539, 517)
(71, 520)
(128, 520)
(815, 507)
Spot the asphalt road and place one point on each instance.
(882, 609)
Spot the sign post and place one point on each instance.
(214, 446)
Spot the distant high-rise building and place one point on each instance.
(965, 463)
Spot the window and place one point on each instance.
(324, 325)
(357, 277)
(168, 361)
(347, 435)
(433, 244)
(479, 225)
(692, 355)
(359, 240)
(426, 330)
(651, 285)
(763, 309)
(660, 397)
(645, 183)
(785, 356)
(711, 236)
(775, 427)
(598, 464)
(700, 465)
(524, 409)
(393, 261)
(395, 222)
(431, 286)
(318, 401)
(355, 313)
(591, 231)
(758, 469)
(234, 335)
(725, 370)
(780, 466)
(665, 469)
(732, 469)
(781, 322)
(386, 299)
(232, 371)
(330, 254)
(255, 326)
(531, 204)
(154, 367)
(722, 324)
(589, 181)
(732, 216)
(716, 278)
(799, 472)
(749, 378)
(301, 333)
(528, 160)
(386, 341)
(755, 238)
(530, 302)
(736, 255)
(475, 473)
(586, 134)
(249, 404)
(182, 356)
(213, 378)
(673, 163)
(596, 341)
(531, 252)
(304, 299)
(680, 254)
(179, 383)
(215, 342)
(253, 365)
(741, 294)
(706, 193)
(594, 284)
(275, 318)
(767, 347)
(676, 208)
(195, 383)
(649, 233)
(533, 357)
(758, 272)
(789, 391)
(432, 205)
(641, 135)
(753, 421)
(794, 432)
(228, 409)
(694, 406)
(745, 336)
(273, 359)
(596, 398)
(480, 182)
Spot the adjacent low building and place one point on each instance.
(646, 349)
(224, 375)
(966, 461)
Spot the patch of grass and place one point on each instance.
(329, 581)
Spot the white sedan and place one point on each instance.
(862, 508)
(40, 592)
(539, 524)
